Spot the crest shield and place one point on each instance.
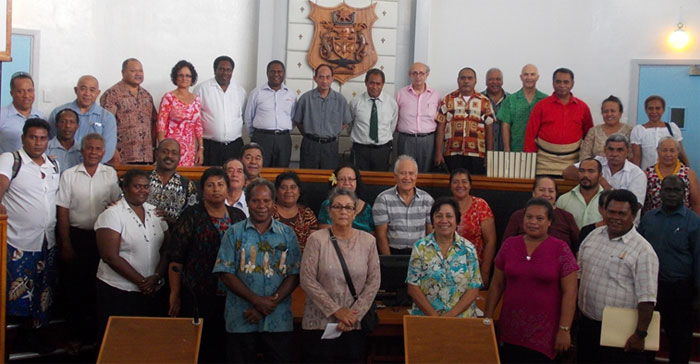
(343, 39)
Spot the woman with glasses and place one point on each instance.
(288, 211)
(179, 115)
(347, 176)
(328, 297)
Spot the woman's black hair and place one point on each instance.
(213, 172)
(129, 176)
(537, 201)
(613, 98)
(457, 171)
(445, 200)
(180, 65)
(358, 181)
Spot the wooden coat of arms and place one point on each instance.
(343, 39)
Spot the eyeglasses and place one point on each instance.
(348, 208)
(184, 76)
(347, 179)
(415, 73)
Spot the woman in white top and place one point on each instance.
(645, 137)
(129, 240)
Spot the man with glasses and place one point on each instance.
(222, 113)
(418, 106)
(13, 116)
(402, 213)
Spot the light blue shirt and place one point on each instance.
(95, 120)
(261, 279)
(270, 109)
(11, 124)
(65, 158)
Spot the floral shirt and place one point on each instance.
(444, 278)
(470, 225)
(262, 262)
(195, 242)
(183, 123)
(303, 223)
(465, 122)
(173, 196)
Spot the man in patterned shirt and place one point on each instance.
(170, 192)
(619, 269)
(135, 112)
(465, 129)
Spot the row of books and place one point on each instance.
(511, 164)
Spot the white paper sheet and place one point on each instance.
(331, 331)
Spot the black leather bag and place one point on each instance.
(370, 320)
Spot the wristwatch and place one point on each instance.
(640, 333)
(565, 328)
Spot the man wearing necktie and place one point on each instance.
(374, 117)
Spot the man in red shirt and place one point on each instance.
(557, 125)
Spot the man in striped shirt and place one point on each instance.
(402, 213)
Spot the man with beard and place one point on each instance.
(674, 232)
(268, 116)
(63, 147)
(170, 192)
(582, 200)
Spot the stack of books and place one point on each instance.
(511, 164)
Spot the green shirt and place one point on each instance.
(574, 203)
(515, 110)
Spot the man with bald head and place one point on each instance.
(497, 95)
(92, 117)
(516, 108)
(418, 106)
(135, 112)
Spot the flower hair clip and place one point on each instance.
(333, 180)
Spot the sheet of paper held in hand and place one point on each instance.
(331, 331)
(620, 323)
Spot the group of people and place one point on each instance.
(234, 248)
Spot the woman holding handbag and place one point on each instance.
(331, 256)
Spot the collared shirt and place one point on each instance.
(136, 117)
(172, 197)
(675, 238)
(619, 272)
(557, 123)
(630, 177)
(241, 204)
(262, 262)
(417, 112)
(496, 106)
(65, 158)
(269, 109)
(515, 110)
(361, 111)
(95, 120)
(87, 196)
(30, 202)
(406, 224)
(648, 140)
(575, 204)
(465, 123)
(11, 124)
(322, 117)
(444, 277)
(139, 243)
(222, 112)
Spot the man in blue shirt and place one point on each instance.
(13, 116)
(259, 263)
(63, 147)
(674, 232)
(92, 117)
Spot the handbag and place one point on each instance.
(370, 320)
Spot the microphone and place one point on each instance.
(195, 306)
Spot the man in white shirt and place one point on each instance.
(374, 117)
(85, 191)
(222, 113)
(28, 184)
(268, 117)
(237, 181)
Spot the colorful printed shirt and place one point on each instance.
(470, 224)
(261, 262)
(465, 123)
(172, 197)
(444, 278)
(136, 117)
(303, 223)
(183, 123)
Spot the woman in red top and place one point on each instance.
(477, 224)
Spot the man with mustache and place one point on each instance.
(135, 112)
(170, 192)
(582, 200)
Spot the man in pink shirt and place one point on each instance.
(557, 125)
(418, 105)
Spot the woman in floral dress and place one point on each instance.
(179, 115)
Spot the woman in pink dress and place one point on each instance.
(179, 115)
(536, 276)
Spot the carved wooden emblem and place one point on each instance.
(343, 39)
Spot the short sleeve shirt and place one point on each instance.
(87, 196)
(465, 123)
(322, 117)
(648, 139)
(406, 223)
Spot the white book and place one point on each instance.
(516, 165)
(489, 163)
(533, 166)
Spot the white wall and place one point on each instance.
(93, 37)
(597, 39)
